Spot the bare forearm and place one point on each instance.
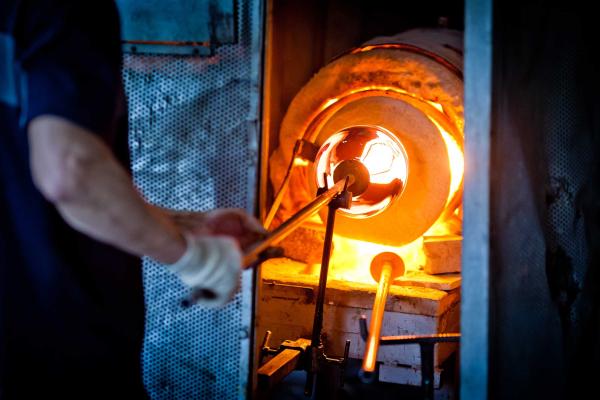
(95, 194)
(109, 210)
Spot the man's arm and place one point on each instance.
(77, 172)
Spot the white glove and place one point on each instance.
(210, 265)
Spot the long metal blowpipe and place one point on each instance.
(278, 234)
(253, 254)
(385, 267)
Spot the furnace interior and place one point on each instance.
(300, 40)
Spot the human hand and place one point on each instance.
(211, 268)
(238, 224)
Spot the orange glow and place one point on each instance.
(456, 159)
(300, 162)
(454, 148)
(351, 259)
(373, 148)
(329, 103)
(378, 159)
(383, 164)
(437, 106)
(370, 357)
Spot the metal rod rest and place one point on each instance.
(408, 339)
(426, 345)
(340, 200)
(313, 355)
(318, 318)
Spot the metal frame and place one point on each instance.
(307, 355)
(249, 277)
(427, 350)
(264, 71)
(183, 27)
(474, 353)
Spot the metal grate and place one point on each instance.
(193, 141)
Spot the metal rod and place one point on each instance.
(427, 369)
(304, 151)
(408, 339)
(372, 345)
(294, 222)
(283, 188)
(277, 235)
(277, 201)
(318, 320)
(315, 343)
(344, 363)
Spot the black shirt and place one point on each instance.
(71, 308)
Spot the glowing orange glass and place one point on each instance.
(379, 151)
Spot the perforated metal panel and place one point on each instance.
(193, 141)
(568, 151)
(544, 304)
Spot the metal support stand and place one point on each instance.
(316, 350)
(310, 357)
(426, 344)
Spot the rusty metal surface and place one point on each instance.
(194, 142)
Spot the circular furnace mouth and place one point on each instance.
(408, 95)
(374, 157)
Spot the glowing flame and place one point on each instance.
(446, 225)
(455, 153)
(456, 160)
(300, 162)
(351, 259)
(378, 158)
(370, 147)
(383, 162)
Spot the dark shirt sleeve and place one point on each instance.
(71, 61)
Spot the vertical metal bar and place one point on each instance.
(249, 281)
(318, 319)
(266, 127)
(475, 255)
(427, 369)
